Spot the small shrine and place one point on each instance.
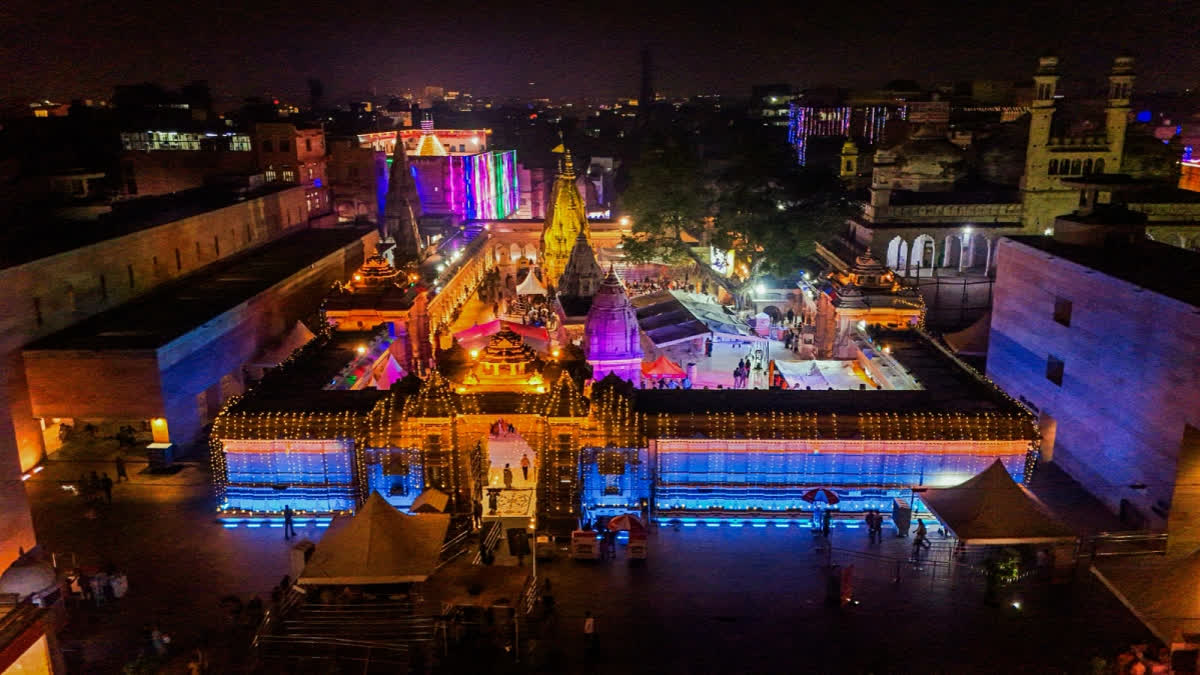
(867, 294)
(376, 272)
(506, 364)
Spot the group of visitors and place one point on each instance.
(500, 428)
(741, 374)
(671, 383)
(101, 588)
(98, 486)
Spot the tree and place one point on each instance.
(771, 212)
(666, 198)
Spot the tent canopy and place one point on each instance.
(432, 500)
(476, 337)
(972, 340)
(992, 509)
(377, 545)
(531, 285)
(662, 367)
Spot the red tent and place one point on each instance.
(476, 337)
(663, 367)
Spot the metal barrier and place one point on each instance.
(488, 542)
(1140, 542)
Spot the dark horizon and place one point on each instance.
(272, 47)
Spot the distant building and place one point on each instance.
(1079, 335)
(770, 103)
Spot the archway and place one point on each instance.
(531, 252)
(514, 252)
(897, 254)
(951, 251)
(773, 312)
(510, 468)
(923, 254)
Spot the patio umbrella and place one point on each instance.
(626, 522)
(820, 495)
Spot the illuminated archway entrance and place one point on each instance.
(511, 473)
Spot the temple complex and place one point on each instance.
(565, 221)
(611, 335)
(865, 295)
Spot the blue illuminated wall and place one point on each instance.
(774, 480)
(615, 479)
(396, 474)
(264, 476)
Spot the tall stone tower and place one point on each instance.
(582, 276)
(565, 220)
(1045, 85)
(402, 208)
(611, 338)
(1116, 114)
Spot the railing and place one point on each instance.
(489, 541)
(453, 548)
(1141, 542)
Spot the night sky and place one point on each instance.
(61, 49)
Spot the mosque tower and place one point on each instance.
(402, 208)
(611, 338)
(565, 220)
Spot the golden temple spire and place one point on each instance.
(566, 219)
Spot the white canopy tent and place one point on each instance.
(531, 285)
(993, 510)
(377, 545)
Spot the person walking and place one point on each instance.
(289, 529)
(525, 466)
(826, 521)
(106, 484)
(476, 514)
(508, 477)
(708, 345)
(121, 475)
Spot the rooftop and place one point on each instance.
(971, 195)
(35, 234)
(1166, 270)
(298, 385)
(174, 309)
(947, 388)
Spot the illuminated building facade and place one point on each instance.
(1075, 335)
(865, 123)
(469, 187)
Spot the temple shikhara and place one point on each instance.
(566, 219)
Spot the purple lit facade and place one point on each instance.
(611, 333)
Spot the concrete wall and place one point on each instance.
(94, 384)
(46, 295)
(1131, 376)
(194, 365)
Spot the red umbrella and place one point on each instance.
(626, 522)
(820, 495)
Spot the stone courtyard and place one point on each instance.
(711, 599)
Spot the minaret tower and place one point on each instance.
(1045, 86)
(1116, 115)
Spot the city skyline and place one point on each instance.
(529, 51)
